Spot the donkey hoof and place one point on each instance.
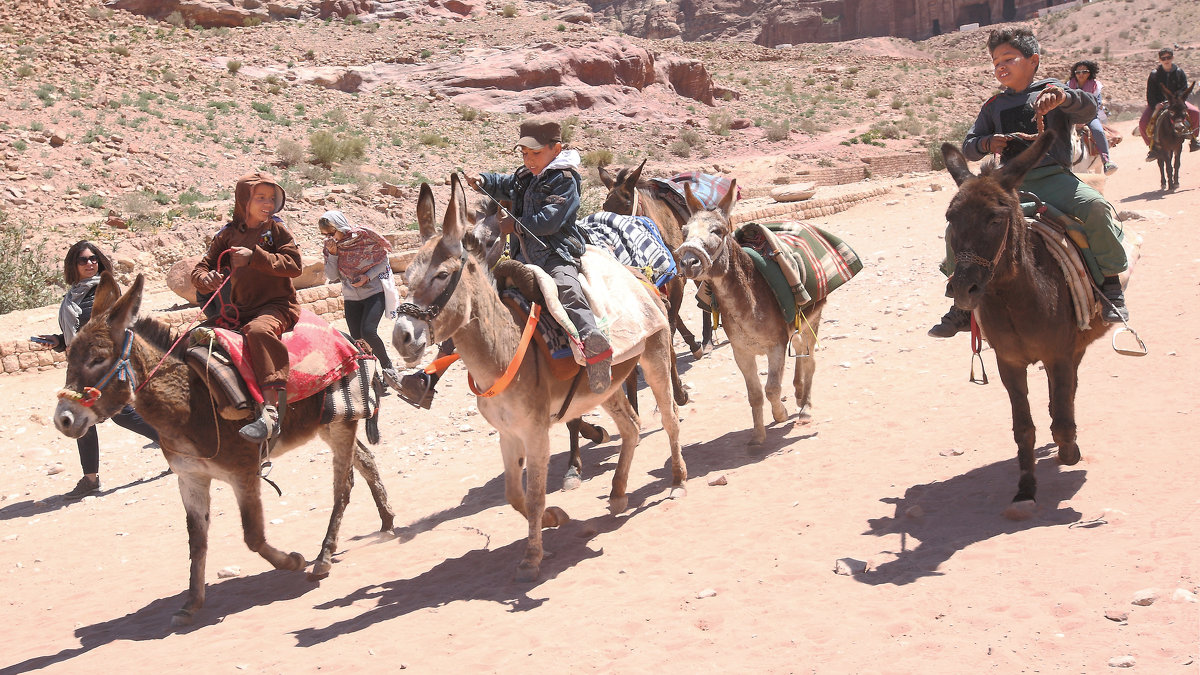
(320, 570)
(1068, 455)
(527, 572)
(554, 517)
(1022, 510)
(295, 561)
(572, 481)
(182, 618)
(758, 438)
(617, 504)
(678, 492)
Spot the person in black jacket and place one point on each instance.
(81, 268)
(1171, 76)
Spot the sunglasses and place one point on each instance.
(87, 260)
(1083, 72)
(1166, 58)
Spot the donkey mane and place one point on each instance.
(158, 333)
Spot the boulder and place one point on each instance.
(179, 278)
(794, 193)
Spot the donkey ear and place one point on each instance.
(727, 202)
(606, 178)
(634, 177)
(956, 163)
(693, 204)
(1014, 171)
(124, 310)
(426, 213)
(454, 224)
(107, 293)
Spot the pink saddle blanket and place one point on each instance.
(318, 356)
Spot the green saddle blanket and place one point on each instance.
(1073, 227)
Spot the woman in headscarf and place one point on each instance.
(81, 268)
(357, 256)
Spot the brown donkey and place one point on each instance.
(453, 295)
(1020, 296)
(753, 319)
(197, 442)
(621, 190)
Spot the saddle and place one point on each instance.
(1065, 239)
(1085, 136)
(318, 355)
(706, 188)
(633, 240)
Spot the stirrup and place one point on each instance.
(417, 389)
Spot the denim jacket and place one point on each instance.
(545, 207)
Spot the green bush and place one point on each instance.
(509, 11)
(233, 66)
(719, 123)
(25, 279)
(601, 157)
(325, 149)
(290, 153)
(778, 131)
(568, 128)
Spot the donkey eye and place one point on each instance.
(442, 275)
(96, 362)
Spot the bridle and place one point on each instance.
(121, 368)
(430, 312)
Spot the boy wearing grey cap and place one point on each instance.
(545, 200)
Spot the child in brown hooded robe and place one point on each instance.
(264, 259)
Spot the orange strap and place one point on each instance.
(440, 364)
(514, 365)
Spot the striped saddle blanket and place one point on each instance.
(633, 240)
(706, 188)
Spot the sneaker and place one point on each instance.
(86, 486)
(1113, 311)
(264, 428)
(392, 378)
(1151, 156)
(598, 354)
(1110, 168)
(417, 389)
(1194, 145)
(953, 322)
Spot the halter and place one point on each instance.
(122, 369)
(429, 313)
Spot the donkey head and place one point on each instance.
(620, 189)
(487, 229)
(434, 308)
(1176, 111)
(94, 360)
(986, 229)
(707, 236)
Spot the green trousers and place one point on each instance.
(1064, 191)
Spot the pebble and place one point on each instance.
(229, 572)
(849, 566)
(719, 480)
(1183, 595)
(1126, 661)
(1145, 597)
(1113, 614)
(277, 521)
(706, 593)
(465, 428)
(950, 452)
(11, 537)
(57, 468)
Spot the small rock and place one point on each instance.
(229, 572)
(1145, 597)
(950, 452)
(1183, 595)
(56, 469)
(1113, 614)
(277, 521)
(719, 480)
(706, 593)
(1126, 661)
(849, 566)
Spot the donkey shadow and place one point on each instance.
(965, 510)
(479, 574)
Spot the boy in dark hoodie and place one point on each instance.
(545, 196)
(263, 259)
(1015, 58)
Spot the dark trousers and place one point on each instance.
(89, 443)
(362, 317)
(570, 293)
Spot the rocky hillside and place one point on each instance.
(127, 124)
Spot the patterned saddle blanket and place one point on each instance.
(633, 240)
(706, 188)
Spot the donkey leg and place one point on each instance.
(364, 461)
(1063, 378)
(677, 391)
(537, 463)
(652, 362)
(194, 490)
(806, 363)
(249, 498)
(340, 438)
(628, 426)
(754, 392)
(1016, 382)
(675, 289)
(776, 362)
(574, 477)
(512, 452)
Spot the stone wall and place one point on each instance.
(810, 208)
(21, 355)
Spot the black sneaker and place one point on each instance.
(1113, 311)
(86, 486)
(264, 428)
(1151, 156)
(1194, 145)
(598, 353)
(392, 378)
(953, 322)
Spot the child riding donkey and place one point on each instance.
(998, 129)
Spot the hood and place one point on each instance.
(246, 185)
(567, 159)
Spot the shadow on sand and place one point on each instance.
(31, 507)
(965, 510)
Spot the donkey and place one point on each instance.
(621, 190)
(1022, 302)
(453, 295)
(754, 321)
(198, 443)
(1171, 129)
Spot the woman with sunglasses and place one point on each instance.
(1083, 76)
(1171, 76)
(81, 268)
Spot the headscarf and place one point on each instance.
(245, 187)
(72, 307)
(361, 250)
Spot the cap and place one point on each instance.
(538, 132)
